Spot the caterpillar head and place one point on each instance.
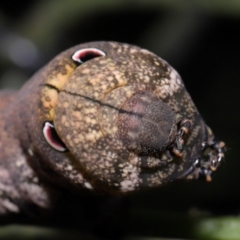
(117, 117)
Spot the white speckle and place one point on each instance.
(30, 151)
(20, 161)
(171, 84)
(9, 206)
(175, 80)
(36, 194)
(132, 50)
(146, 79)
(131, 178)
(69, 168)
(146, 51)
(88, 185)
(127, 186)
(173, 74)
(35, 180)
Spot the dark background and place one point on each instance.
(200, 39)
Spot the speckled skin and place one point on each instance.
(95, 109)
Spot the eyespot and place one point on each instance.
(87, 54)
(52, 137)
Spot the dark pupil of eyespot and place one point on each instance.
(86, 56)
(55, 138)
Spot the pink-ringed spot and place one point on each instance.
(87, 54)
(52, 137)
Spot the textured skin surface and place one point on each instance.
(117, 114)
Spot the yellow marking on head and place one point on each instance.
(60, 79)
(56, 78)
(51, 113)
(49, 97)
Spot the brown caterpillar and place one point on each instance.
(125, 116)
(106, 116)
